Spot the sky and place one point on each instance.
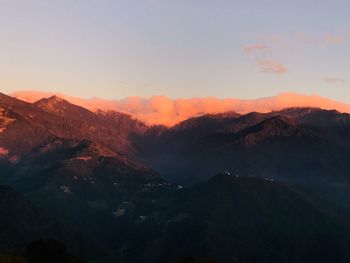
(176, 48)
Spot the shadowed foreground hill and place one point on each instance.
(77, 183)
(235, 219)
(225, 219)
(21, 223)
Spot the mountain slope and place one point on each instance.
(307, 147)
(236, 219)
(23, 126)
(81, 183)
(273, 128)
(21, 223)
(78, 174)
(110, 129)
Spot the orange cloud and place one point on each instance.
(271, 66)
(166, 111)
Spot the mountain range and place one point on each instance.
(267, 185)
(161, 110)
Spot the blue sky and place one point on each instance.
(176, 48)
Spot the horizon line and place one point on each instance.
(166, 111)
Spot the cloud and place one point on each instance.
(167, 111)
(260, 57)
(271, 66)
(327, 39)
(256, 47)
(330, 39)
(335, 81)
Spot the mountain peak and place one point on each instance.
(276, 126)
(58, 105)
(55, 98)
(53, 104)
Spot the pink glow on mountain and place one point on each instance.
(166, 111)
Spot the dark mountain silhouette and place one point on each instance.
(277, 127)
(237, 219)
(308, 147)
(81, 183)
(21, 223)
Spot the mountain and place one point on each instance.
(237, 219)
(143, 192)
(72, 162)
(307, 147)
(82, 184)
(22, 223)
(109, 128)
(273, 128)
(334, 124)
(24, 125)
(160, 110)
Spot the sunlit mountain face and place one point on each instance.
(263, 180)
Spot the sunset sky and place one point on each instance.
(177, 48)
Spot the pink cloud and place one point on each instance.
(261, 58)
(330, 39)
(326, 39)
(252, 48)
(271, 66)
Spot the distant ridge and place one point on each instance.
(166, 111)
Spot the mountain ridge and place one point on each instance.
(166, 111)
